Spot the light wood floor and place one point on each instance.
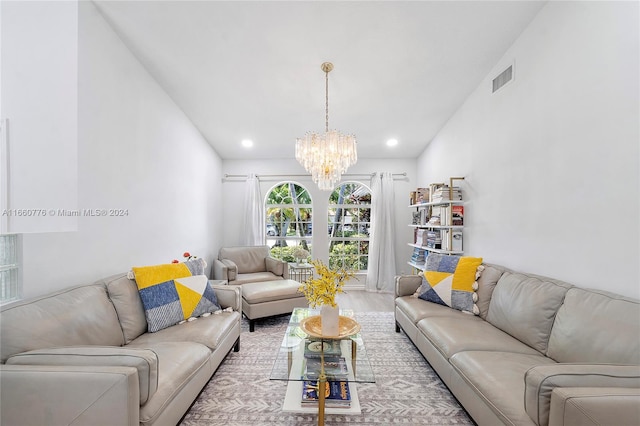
(365, 301)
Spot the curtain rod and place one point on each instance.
(226, 176)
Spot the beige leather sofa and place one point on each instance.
(82, 356)
(541, 352)
(241, 265)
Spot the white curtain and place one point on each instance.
(254, 220)
(382, 264)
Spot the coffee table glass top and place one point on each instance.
(290, 363)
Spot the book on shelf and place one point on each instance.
(415, 220)
(434, 219)
(418, 255)
(337, 394)
(423, 216)
(315, 348)
(456, 240)
(442, 194)
(420, 237)
(444, 215)
(335, 368)
(434, 239)
(457, 214)
(422, 195)
(452, 239)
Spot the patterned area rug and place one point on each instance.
(407, 391)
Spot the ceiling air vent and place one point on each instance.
(503, 78)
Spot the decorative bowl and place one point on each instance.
(313, 327)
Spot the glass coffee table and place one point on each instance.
(315, 363)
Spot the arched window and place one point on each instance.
(348, 226)
(289, 213)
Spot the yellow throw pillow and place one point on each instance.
(451, 281)
(170, 293)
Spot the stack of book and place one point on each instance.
(418, 256)
(457, 215)
(441, 194)
(434, 239)
(337, 394)
(421, 237)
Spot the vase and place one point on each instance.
(329, 320)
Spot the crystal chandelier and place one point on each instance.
(326, 156)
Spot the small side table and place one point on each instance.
(300, 272)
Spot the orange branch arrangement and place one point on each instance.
(186, 255)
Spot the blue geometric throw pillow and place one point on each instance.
(451, 281)
(170, 302)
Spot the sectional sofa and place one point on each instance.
(540, 352)
(83, 356)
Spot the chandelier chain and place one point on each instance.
(326, 100)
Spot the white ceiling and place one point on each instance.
(252, 69)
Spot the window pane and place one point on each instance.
(289, 220)
(348, 224)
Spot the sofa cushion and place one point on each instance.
(486, 283)
(417, 309)
(497, 378)
(450, 336)
(168, 303)
(248, 259)
(451, 281)
(269, 291)
(256, 277)
(75, 316)
(595, 326)
(126, 299)
(208, 331)
(525, 306)
(144, 361)
(178, 363)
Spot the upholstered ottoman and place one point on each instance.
(269, 298)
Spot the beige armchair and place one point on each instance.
(242, 265)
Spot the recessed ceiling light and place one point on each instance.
(392, 142)
(247, 143)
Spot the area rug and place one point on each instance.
(407, 391)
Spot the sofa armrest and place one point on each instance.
(232, 269)
(145, 361)
(224, 269)
(277, 267)
(541, 380)
(595, 406)
(219, 270)
(64, 395)
(229, 296)
(406, 285)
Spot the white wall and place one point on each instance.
(136, 151)
(234, 189)
(40, 101)
(552, 159)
